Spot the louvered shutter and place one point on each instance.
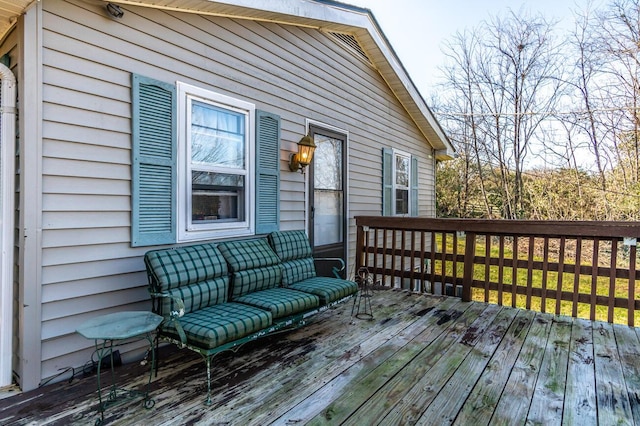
(267, 172)
(154, 162)
(413, 184)
(387, 182)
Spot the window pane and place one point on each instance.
(402, 201)
(327, 217)
(402, 171)
(217, 197)
(217, 136)
(328, 163)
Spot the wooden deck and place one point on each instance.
(422, 360)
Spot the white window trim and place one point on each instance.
(394, 200)
(186, 233)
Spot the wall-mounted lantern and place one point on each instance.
(114, 10)
(303, 157)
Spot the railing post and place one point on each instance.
(469, 259)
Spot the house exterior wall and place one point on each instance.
(88, 265)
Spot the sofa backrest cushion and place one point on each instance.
(290, 245)
(248, 254)
(197, 274)
(293, 249)
(256, 279)
(254, 266)
(297, 270)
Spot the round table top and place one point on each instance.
(120, 325)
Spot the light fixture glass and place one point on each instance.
(303, 157)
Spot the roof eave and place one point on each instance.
(326, 15)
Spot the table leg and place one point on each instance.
(101, 351)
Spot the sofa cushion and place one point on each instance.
(297, 270)
(216, 325)
(290, 245)
(196, 274)
(248, 254)
(248, 281)
(172, 268)
(328, 289)
(281, 302)
(197, 296)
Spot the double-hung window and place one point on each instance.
(215, 164)
(400, 183)
(401, 175)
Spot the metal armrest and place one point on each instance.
(334, 269)
(174, 315)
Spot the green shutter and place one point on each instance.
(387, 182)
(267, 172)
(414, 186)
(154, 162)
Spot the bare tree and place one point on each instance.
(506, 74)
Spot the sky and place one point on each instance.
(417, 29)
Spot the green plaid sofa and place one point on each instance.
(217, 297)
(298, 268)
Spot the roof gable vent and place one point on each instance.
(352, 44)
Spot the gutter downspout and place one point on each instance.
(8, 91)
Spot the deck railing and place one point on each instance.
(583, 269)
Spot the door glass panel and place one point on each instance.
(328, 217)
(328, 158)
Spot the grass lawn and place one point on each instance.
(571, 252)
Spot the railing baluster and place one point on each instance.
(403, 265)
(545, 274)
(487, 266)
(394, 240)
(576, 277)
(514, 272)
(501, 271)
(631, 298)
(384, 257)
(444, 263)
(563, 242)
(530, 272)
(432, 262)
(412, 261)
(423, 269)
(594, 278)
(613, 275)
(375, 255)
(454, 264)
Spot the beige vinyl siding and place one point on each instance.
(89, 267)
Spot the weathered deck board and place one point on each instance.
(518, 392)
(423, 359)
(613, 402)
(580, 395)
(484, 397)
(628, 342)
(446, 405)
(548, 397)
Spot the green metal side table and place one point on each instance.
(120, 326)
